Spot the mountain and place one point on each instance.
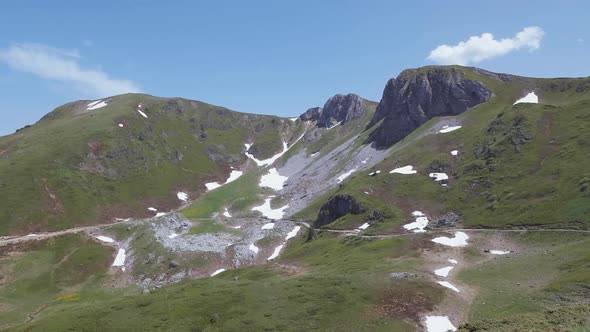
(458, 200)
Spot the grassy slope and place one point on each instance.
(65, 269)
(328, 283)
(137, 166)
(542, 184)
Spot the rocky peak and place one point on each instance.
(339, 108)
(417, 95)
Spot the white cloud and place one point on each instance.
(479, 48)
(63, 66)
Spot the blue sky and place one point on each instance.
(270, 57)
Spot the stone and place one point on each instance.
(336, 207)
(402, 275)
(338, 109)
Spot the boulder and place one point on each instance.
(336, 207)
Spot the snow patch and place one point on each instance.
(293, 233)
(273, 180)
(275, 253)
(173, 235)
(328, 128)
(268, 212)
(234, 175)
(253, 248)
(439, 176)
(237, 227)
(439, 324)
(448, 285)
(121, 125)
(217, 272)
(142, 113)
(153, 209)
(226, 213)
(364, 226)
(374, 173)
(406, 170)
(105, 239)
(160, 214)
(459, 240)
(120, 259)
(453, 261)
(212, 185)
(293, 119)
(365, 161)
(270, 225)
(455, 152)
(345, 175)
(95, 105)
(529, 98)
(499, 252)
(182, 196)
(274, 158)
(419, 224)
(443, 272)
(447, 129)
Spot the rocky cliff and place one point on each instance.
(418, 95)
(339, 108)
(336, 207)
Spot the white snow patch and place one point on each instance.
(367, 193)
(293, 119)
(268, 212)
(237, 227)
(253, 248)
(374, 173)
(105, 239)
(142, 113)
(419, 224)
(121, 219)
(32, 234)
(443, 272)
(439, 324)
(439, 176)
(275, 253)
(153, 209)
(173, 235)
(314, 154)
(453, 261)
(459, 240)
(455, 152)
(499, 252)
(273, 180)
(328, 128)
(345, 175)
(365, 161)
(407, 170)
(95, 105)
(120, 259)
(447, 129)
(293, 233)
(364, 226)
(448, 285)
(270, 225)
(217, 272)
(160, 214)
(121, 125)
(226, 213)
(212, 185)
(234, 175)
(529, 98)
(182, 196)
(272, 159)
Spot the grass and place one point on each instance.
(553, 297)
(66, 268)
(341, 286)
(74, 169)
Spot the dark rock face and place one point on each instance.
(339, 108)
(336, 207)
(416, 96)
(445, 221)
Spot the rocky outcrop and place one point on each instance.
(417, 95)
(338, 109)
(338, 206)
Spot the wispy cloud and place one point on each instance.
(580, 41)
(61, 65)
(479, 48)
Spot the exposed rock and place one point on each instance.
(173, 105)
(402, 275)
(418, 95)
(336, 207)
(448, 220)
(172, 264)
(338, 109)
(376, 215)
